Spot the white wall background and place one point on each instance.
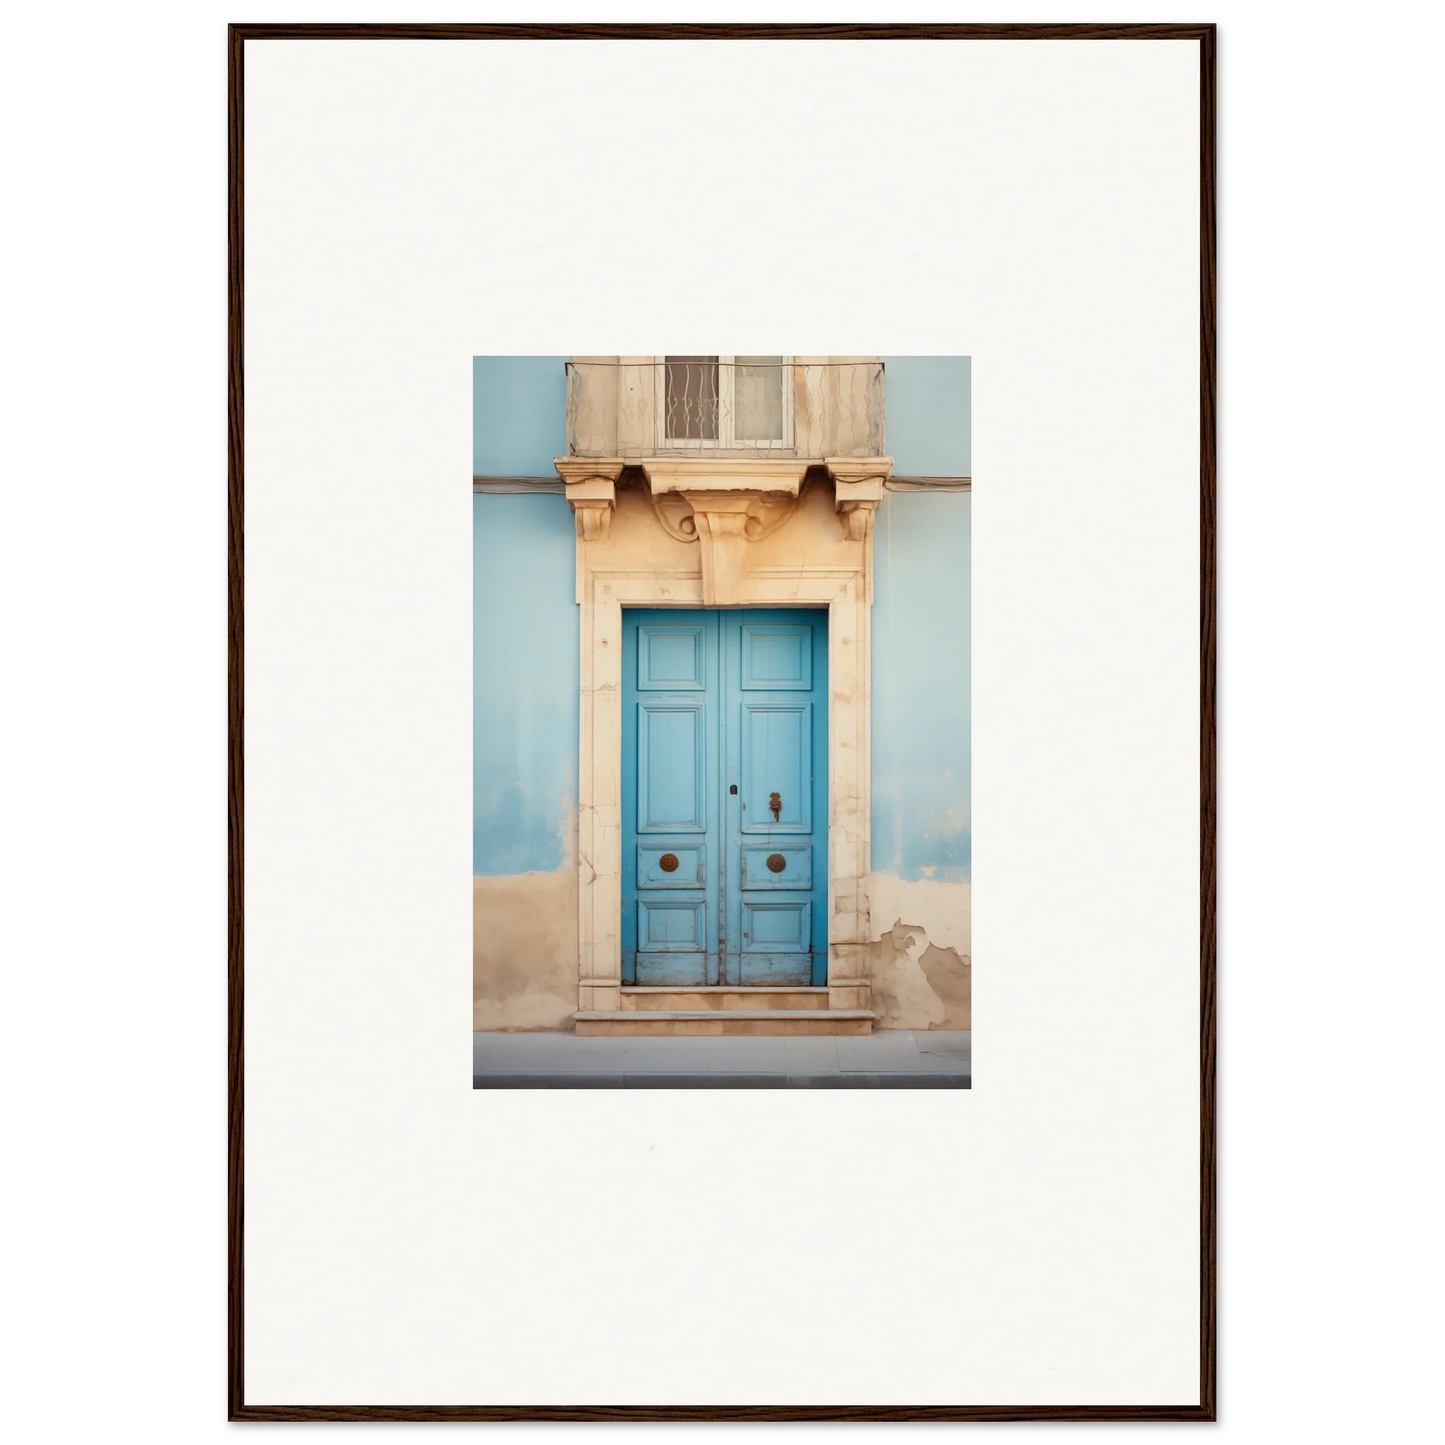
(392, 233)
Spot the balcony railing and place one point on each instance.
(747, 406)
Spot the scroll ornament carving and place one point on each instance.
(766, 512)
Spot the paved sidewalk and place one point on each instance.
(888, 1059)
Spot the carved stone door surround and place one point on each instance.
(724, 532)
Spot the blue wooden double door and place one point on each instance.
(725, 797)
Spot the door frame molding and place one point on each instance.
(610, 577)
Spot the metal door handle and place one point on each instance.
(775, 802)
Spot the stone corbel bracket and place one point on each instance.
(857, 490)
(591, 492)
(724, 494)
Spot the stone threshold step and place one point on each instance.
(698, 998)
(592, 1023)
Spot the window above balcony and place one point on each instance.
(726, 403)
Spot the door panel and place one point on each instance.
(672, 658)
(672, 943)
(724, 713)
(675, 867)
(777, 658)
(671, 768)
(675, 926)
(777, 865)
(777, 768)
(671, 814)
(777, 926)
(775, 671)
(776, 935)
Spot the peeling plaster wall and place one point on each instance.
(923, 957)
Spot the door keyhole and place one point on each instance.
(775, 802)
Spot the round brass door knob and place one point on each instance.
(668, 862)
(776, 862)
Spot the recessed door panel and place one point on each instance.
(671, 760)
(671, 925)
(777, 767)
(777, 658)
(777, 925)
(776, 939)
(672, 659)
(671, 940)
(772, 866)
(679, 866)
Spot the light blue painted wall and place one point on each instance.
(519, 415)
(524, 682)
(928, 421)
(922, 686)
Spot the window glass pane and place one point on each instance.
(758, 383)
(692, 398)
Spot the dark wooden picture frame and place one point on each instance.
(1205, 34)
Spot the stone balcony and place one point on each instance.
(717, 407)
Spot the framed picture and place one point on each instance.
(772, 665)
(838, 408)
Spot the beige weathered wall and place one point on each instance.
(524, 949)
(922, 956)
